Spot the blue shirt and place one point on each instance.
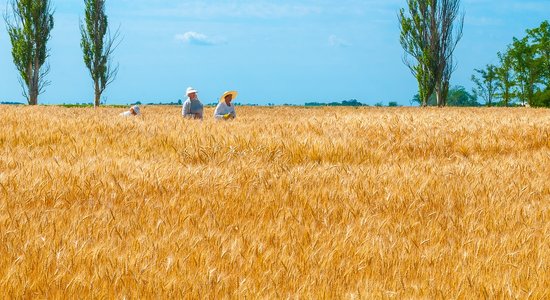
(191, 107)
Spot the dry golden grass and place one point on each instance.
(283, 202)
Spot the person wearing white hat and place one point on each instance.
(192, 107)
(134, 111)
(225, 110)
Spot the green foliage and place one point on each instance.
(415, 40)
(352, 102)
(505, 80)
(540, 39)
(430, 32)
(98, 46)
(29, 24)
(527, 69)
(542, 98)
(486, 86)
(458, 96)
(524, 70)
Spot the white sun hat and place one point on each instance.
(136, 110)
(191, 90)
(233, 93)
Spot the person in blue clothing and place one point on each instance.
(192, 107)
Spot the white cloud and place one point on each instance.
(335, 41)
(198, 39)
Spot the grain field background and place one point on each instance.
(280, 203)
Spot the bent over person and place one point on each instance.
(192, 107)
(225, 109)
(134, 111)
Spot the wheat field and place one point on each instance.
(283, 202)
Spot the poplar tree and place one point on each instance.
(29, 24)
(98, 46)
(430, 32)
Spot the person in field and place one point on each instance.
(134, 111)
(225, 109)
(192, 107)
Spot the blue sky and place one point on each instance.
(270, 51)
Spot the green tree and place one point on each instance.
(542, 98)
(486, 85)
(540, 37)
(458, 96)
(29, 24)
(98, 46)
(524, 70)
(505, 82)
(430, 32)
(415, 40)
(448, 33)
(527, 69)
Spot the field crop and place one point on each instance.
(280, 203)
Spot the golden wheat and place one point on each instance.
(281, 203)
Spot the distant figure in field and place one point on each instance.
(134, 111)
(192, 107)
(225, 110)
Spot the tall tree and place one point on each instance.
(29, 24)
(447, 33)
(540, 37)
(415, 39)
(486, 85)
(505, 78)
(527, 69)
(98, 46)
(430, 32)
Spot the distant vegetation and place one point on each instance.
(11, 103)
(352, 102)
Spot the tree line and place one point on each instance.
(522, 73)
(352, 102)
(29, 24)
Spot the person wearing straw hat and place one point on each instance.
(225, 110)
(134, 111)
(192, 107)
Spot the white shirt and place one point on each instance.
(223, 109)
(126, 114)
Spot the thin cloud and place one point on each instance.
(198, 39)
(335, 41)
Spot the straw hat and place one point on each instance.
(190, 90)
(233, 93)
